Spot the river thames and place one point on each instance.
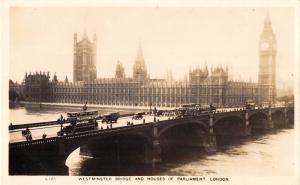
(269, 154)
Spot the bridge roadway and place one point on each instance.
(51, 130)
(148, 143)
(52, 127)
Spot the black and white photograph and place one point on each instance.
(189, 93)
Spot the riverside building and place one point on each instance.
(203, 86)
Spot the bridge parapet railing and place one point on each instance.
(105, 131)
(185, 118)
(118, 129)
(38, 124)
(124, 128)
(75, 135)
(32, 142)
(48, 123)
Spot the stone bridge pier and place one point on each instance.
(289, 118)
(247, 129)
(210, 145)
(270, 123)
(156, 148)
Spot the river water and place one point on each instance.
(270, 154)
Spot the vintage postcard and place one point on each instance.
(160, 92)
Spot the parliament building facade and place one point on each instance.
(203, 86)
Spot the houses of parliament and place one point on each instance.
(204, 85)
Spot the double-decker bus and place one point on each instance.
(80, 121)
(194, 109)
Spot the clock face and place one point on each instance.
(264, 46)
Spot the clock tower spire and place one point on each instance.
(267, 63)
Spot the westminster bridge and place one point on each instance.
(149, 142)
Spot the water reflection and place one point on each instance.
(261, 154)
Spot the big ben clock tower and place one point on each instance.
(267, 63)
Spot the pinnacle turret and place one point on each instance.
(139, 68)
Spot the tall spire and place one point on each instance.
(75, 39)
(139, 67)
(267, 18)
(55, 80)
(140, 51)
(66, 80)
(120, 71)
(268, 23)
(84, 35)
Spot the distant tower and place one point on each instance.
(84, 67)
(169, 76)
(139, 68)
(66, 80)
(55, 80)
(120, 71)
(267, 63)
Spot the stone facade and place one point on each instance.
(37, 87)
(84, 68)
(203, 86)
(267, 63)
(214, 88)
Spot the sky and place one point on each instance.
(176, 39)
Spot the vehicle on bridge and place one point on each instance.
(82, 115)
(138, 115)
(79, 122)
(250, 104)
(27, 134)
(212, 108)
(78, 127)
(204, 109)
(111, 117)
(194, 109)
(265, 104)
(159, 113)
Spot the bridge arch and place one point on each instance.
(258, 121)
(195, 122)
(278, 118)
(94, 145)
(229, 126)
(230, 116)
(258, 113)
(182, 135)
(290, 117)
